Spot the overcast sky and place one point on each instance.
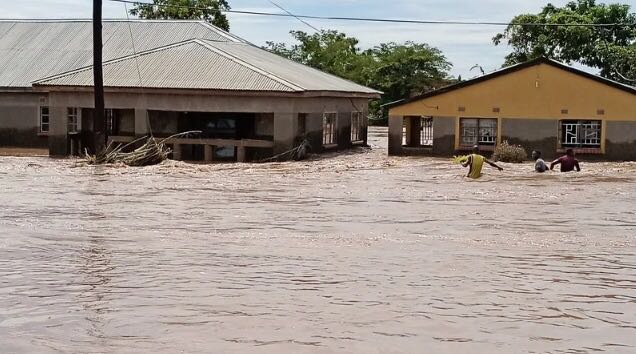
(464, 46)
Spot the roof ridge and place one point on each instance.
(513, 68)
(113, 61)
(198, 41)
(291, 61)
(242, 62)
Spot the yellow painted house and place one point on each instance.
(541, 105)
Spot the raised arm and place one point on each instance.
(493, 165)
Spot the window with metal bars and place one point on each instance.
(356, 127)
(426, 135)
(45, 119)
(580, 133)
(478, 131)
(73, 119)
(111, 122)
(329, 128)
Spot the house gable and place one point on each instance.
(538, 90)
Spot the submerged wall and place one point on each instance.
(20, 120)
(284, 129)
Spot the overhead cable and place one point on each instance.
(387, 20)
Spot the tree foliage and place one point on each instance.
(210, 11)
(610, 49)
(398, 70)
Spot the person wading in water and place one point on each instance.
(476, 162)
(568, 162)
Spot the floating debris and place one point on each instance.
(152, 152)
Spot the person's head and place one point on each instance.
(475, 149)
(536, 154)
(569, 152)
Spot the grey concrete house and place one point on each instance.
(166, 77)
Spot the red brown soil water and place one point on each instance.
(356, 253)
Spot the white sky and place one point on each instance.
(464, 46)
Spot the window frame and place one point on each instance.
(330, 138)
(357, 118)
(73, 120)
(427, 136)
(492, 139)
(111, 121)
(580, 137)
(41, 122)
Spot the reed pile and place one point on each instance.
(152, 152)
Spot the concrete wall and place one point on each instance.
(532, 134)
(396, 123)
(444, 136)
(537, 92)
(264, 125)
(126, 121)
(620, 141)
(285, 111)
(162, 123)
(19, 119)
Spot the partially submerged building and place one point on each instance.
(540, 104)
(167, 77)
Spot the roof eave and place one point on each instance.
(200, 91)
(508, 70)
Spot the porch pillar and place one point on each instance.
(285, 129)
(176, 152)
(395, 134)
(208, 152)
(240, 154)
(141, 122)
(58, 132)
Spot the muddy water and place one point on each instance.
(356, 253)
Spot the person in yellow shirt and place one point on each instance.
(476, 162)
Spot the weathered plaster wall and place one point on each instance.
(532, 134)
(444, 136)
(285, 110)
(19, 119)
(621, 141)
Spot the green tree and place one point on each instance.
(404, 70)
(611, 49)
(329, 51)
(399, 70)
(210, 11)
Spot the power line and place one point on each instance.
(385, 20)
(298, 18)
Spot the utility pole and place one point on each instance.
(99, 121)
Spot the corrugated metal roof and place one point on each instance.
(195, 65)
(171, 54)
(33, 49)
(306, 77)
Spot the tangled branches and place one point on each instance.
(152, 152)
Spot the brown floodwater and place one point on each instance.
(355, 253)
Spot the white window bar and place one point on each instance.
(110, 121)
(356, 126)
(329, 124)
(73, 118)
(478, 131)
(44, 119)
(426, 136)
(580, 133)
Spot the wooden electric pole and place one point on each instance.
(99, 121)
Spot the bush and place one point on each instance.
(510, 153)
